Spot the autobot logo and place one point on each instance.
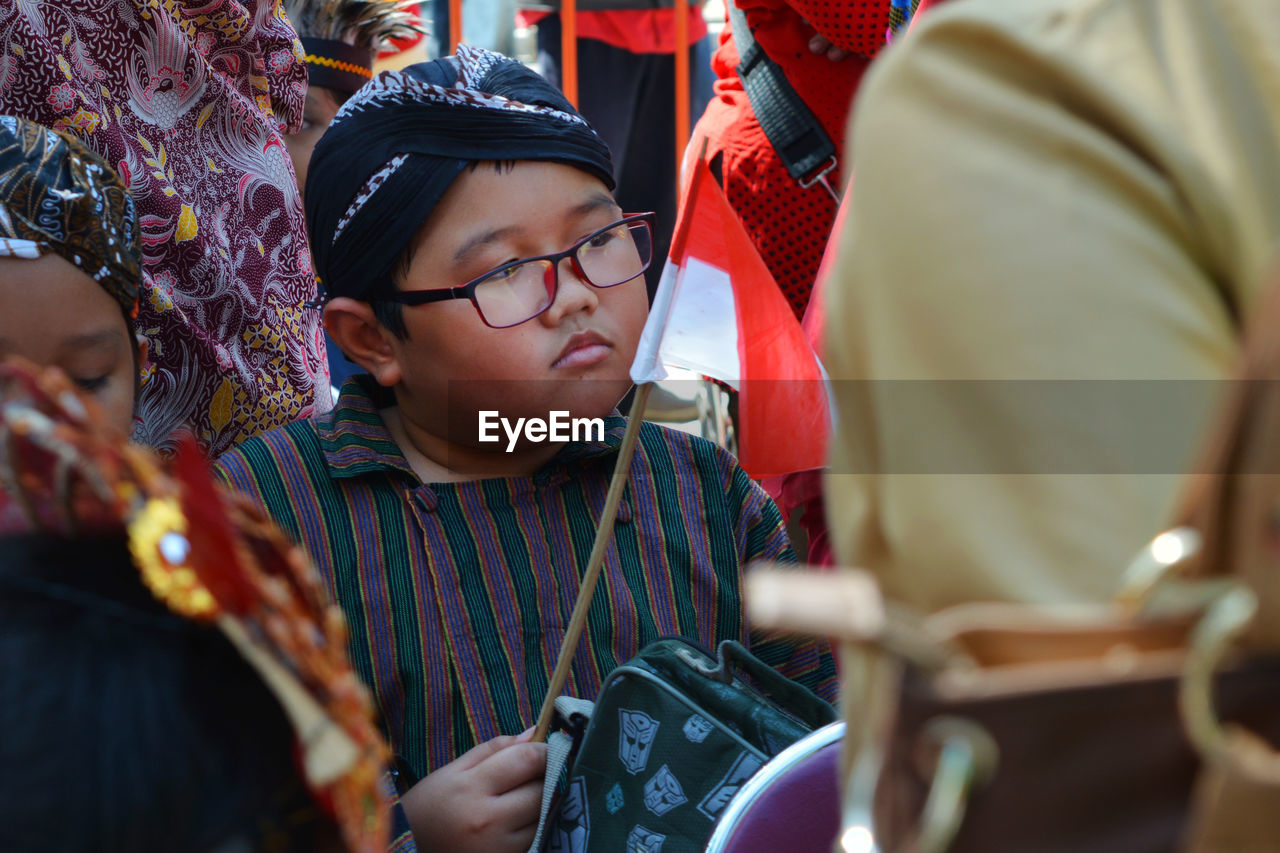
(643, 840)
(614, 800)
(742, 770)
(635, 739)
(663, 793)
(696, 728)
(574, 827)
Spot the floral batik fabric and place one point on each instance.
(187, 100)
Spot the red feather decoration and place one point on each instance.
(214, 555)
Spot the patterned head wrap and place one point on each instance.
(58, 196)
(209, 556)
(399, 143)
(340, 38)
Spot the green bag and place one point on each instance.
(673, 736)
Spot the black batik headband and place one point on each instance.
(337, 65)
(399, 143)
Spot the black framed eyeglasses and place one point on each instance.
(518, 291)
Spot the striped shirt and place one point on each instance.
(458, 594)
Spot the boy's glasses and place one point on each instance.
(516, 292)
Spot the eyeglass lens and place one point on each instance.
(609, 257)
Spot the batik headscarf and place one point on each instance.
(399, 143)
(210, 556)
(58, 196)
(341, 38)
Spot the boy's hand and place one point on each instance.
(487, 800)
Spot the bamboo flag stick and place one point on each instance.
(621, 472)
(569, 50)
(578, 619)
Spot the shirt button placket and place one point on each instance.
(425, 498)
(549, 482)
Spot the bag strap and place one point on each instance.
(1230, 499)
(1232, 493)
(572, 714)
(793, 131)
(796, 699)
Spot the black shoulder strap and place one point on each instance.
(792, 129)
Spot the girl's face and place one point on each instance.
(53, 314)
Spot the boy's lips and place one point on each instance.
(584, 349)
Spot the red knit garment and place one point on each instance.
(788, 225)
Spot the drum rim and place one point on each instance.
(765, 776)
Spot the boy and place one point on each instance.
(69, 237)
(465, 231)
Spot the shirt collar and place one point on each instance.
(355, 441)
(353, 437)
(581, 451)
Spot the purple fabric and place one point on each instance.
(798, 813)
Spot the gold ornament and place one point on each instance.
(158, 540)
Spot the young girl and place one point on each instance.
(70, 267)
(171, 675)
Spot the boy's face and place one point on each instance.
(53, 314)
(576, 356)
(317, 115)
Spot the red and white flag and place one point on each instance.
(719, 312)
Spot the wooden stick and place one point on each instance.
(578, 619)
(569, 50)
(455, 26)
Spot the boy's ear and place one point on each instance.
(356, 330)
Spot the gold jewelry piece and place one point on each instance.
(158, 540)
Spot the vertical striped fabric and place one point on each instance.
(457, 594)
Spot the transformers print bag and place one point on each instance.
(674, 734)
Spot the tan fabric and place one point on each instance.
(1045, 190)
(1231, 813)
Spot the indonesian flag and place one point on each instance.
(719, 312)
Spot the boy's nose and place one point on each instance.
(573, 294)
